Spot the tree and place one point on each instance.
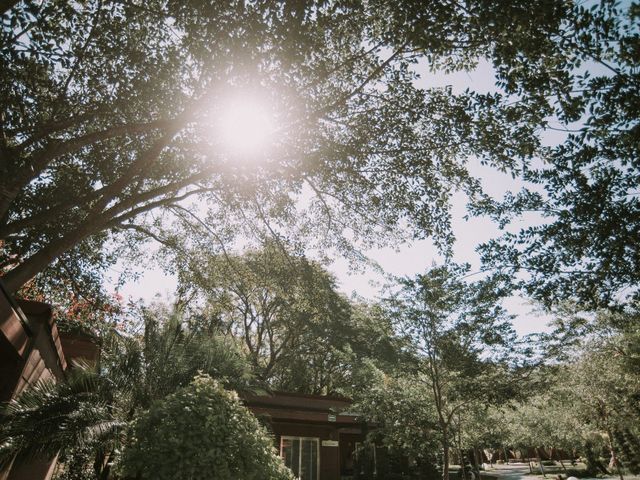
(463, 336)
(590, 399)
(201, 431)
(606, 395)
(601, 348)
(484, 430)
(583, 80)
(547, 420)
(283, 308)
(401, 408)
(298, 332)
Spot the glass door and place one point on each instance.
(301, 455)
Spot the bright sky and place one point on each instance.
(407, 260)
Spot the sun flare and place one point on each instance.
(246, 126)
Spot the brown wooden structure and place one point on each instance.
(316, 435)
(31, 350)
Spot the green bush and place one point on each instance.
(201, 432)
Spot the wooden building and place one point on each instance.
(316, 435)
(31, 350)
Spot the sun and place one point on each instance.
(246, 126)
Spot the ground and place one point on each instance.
(520, 471)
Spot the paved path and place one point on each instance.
(511, 471)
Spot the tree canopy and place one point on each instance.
(109, 138)
(298, 332)
(464, 340)
(583, 79)
(108, 113)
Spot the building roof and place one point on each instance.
(295, 407)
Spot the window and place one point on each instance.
(301, 455)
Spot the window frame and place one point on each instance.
(294, 437)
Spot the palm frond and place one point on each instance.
(51, 417)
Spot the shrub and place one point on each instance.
(201, 432)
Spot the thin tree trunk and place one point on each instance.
(462, 469)
(614, 457)
(540, 463)
(104, 475)
(462, 466)
(506, 456)
(445, 457)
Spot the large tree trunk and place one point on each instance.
(33, 265)
(476, 466)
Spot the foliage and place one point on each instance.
(57, 417)
(462, 332)
(108, 110)
(85, 314)
(629, 445)
(173, 354)
(86, 418)
(283, 308)
(108, 106)
(482, 427)
(75, 464)
(399, 406)
(589, 402)
(202, 432)
(579, 473)
(602, 348)
(547, 419)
